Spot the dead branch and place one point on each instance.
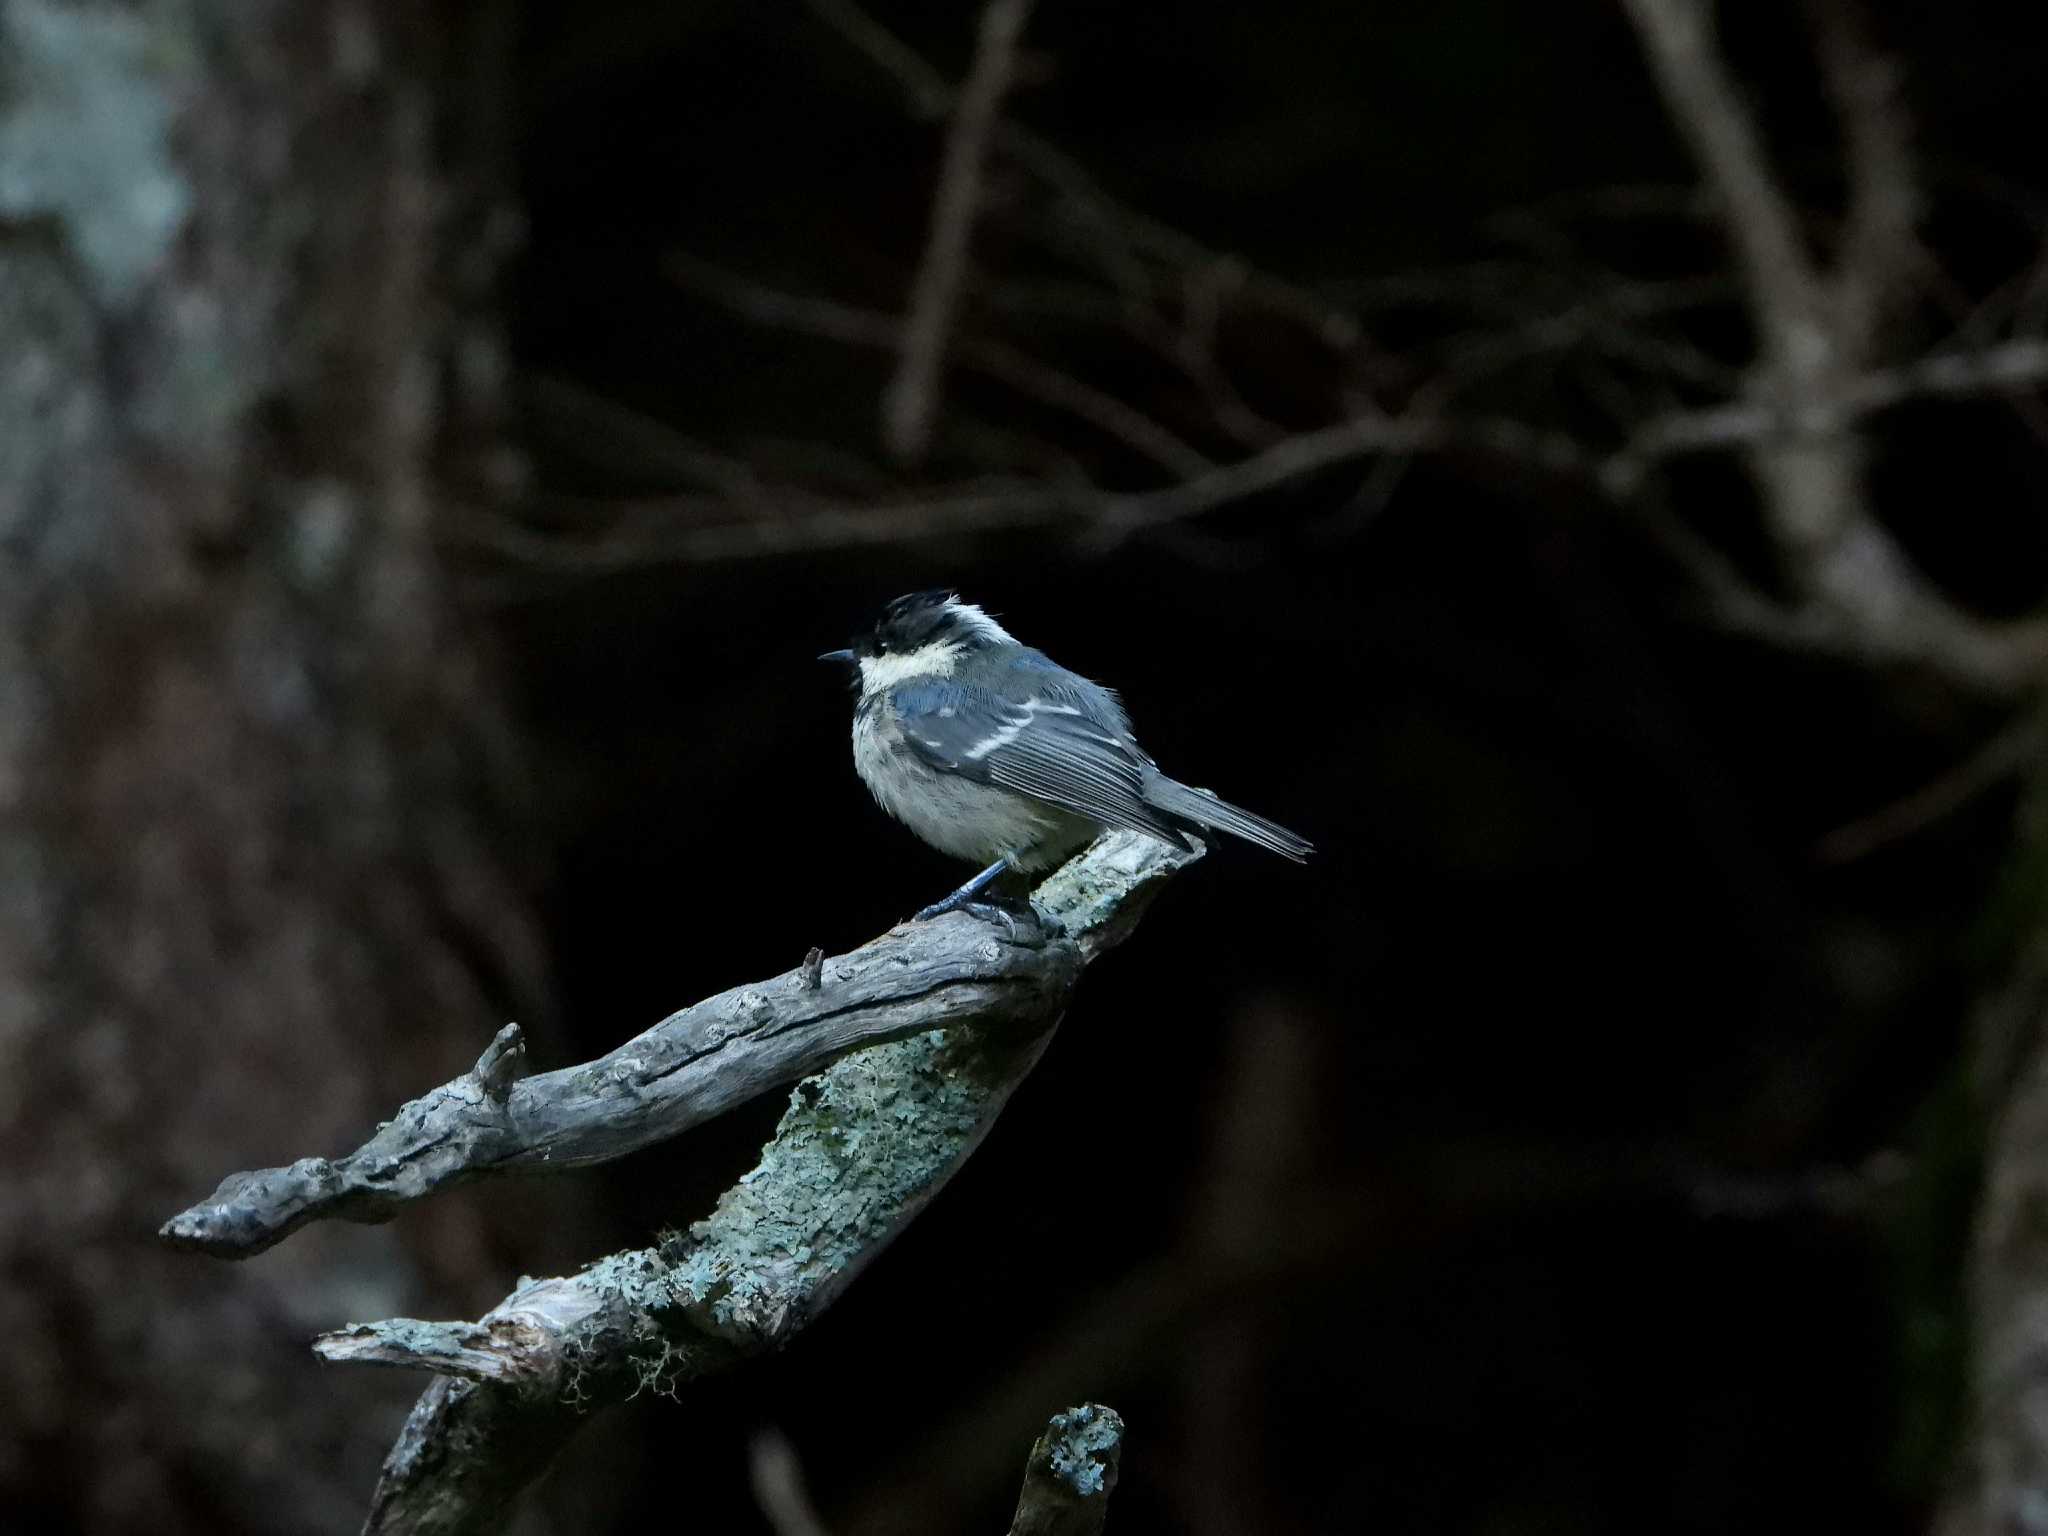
(864, 1147)
(693, 1066)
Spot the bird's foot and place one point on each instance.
(1020, 923)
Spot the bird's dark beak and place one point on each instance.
(845, 658)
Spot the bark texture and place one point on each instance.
(243, 879)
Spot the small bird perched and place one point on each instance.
(991, 751)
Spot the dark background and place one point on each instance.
(1575, 1144)
(1477, 1177)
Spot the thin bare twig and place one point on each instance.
(910, 404)
(1877, 244)
(1762, 222)
(1088, 205)
(2008, 752)
(1034, 380)
(620, 437)
(2008, 367)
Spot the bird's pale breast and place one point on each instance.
(977, 822)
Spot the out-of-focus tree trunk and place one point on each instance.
(246, 889)
(2002, 1484)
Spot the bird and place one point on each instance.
(991, 751)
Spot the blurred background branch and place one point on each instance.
(912, 398)
(1068, 1478)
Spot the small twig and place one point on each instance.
(1614, 318)
(777, 1476)
(946, 511)
(610, 433)
(2004, 755)
(849, 325)
(1346, 442)
(1071, 1474)
(931, 94)
(910, 404)
(2016, 365)
(1842, 1193)
(502, 1063)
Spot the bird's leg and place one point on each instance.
(966, 897)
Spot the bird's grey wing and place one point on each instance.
(1042, 675)
(1044, 744)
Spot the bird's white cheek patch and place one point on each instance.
(878, 674)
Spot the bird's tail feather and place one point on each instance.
(1205, 810)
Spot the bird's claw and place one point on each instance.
(1018, 926)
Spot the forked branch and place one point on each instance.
(964, 1012)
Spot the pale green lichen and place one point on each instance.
(1096, 898)
(1080, 1447)
(859, 1143)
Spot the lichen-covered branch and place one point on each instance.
(1071, 1474)
(862, 1149)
